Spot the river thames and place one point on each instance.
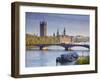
(39, 58)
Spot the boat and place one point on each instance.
(68, 57)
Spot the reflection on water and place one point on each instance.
(38, 58)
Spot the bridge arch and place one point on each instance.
(54, 47)
(79, 48)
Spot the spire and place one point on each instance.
(53, 34)
(64, 32)
(57, 32)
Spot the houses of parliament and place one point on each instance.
(62, 38)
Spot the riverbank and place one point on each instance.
(83, 60)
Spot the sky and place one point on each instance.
(73, 23)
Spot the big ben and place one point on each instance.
(43, 28)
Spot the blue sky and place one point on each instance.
(74, 24)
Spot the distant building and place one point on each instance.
(65, 39)
(81, 38)
(43, 28)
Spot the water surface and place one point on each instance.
(48, 57)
